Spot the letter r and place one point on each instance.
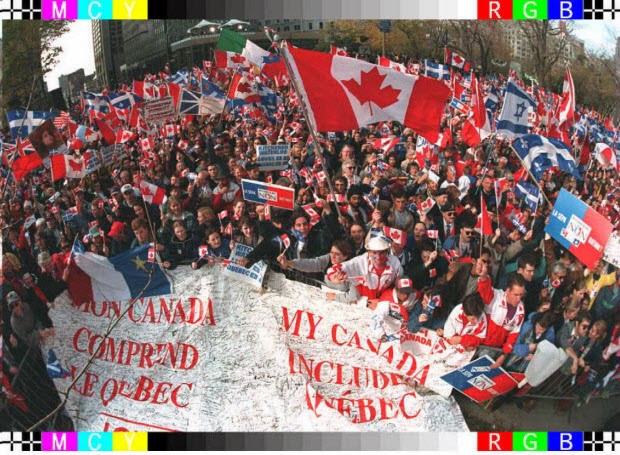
(494, 10)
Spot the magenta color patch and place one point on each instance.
(58, 441)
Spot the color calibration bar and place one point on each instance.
(463, 443)
(311, 9)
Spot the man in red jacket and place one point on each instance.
(504, 311)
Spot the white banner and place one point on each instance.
(156, 111)
(221, 356)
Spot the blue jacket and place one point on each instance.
(521, 348)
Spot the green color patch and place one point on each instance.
(529, 9)
(529, 441)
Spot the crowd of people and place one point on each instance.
(400, 233)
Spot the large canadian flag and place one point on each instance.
(343, 93)
(67, 166)
(152, 193)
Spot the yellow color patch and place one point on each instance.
(130, 9)
(130, 442)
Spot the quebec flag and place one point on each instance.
(54, 368)
(23, 122)
(437, 70)
(539, 153)
(513, 118)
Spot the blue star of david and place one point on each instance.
(520, 110)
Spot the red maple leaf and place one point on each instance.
(146, 191)
(243, 87)
(456, 58)
(369, 90)
(76, 166)
(237, 58)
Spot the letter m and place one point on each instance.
(59, 13)
(59, 445)
(287, 322)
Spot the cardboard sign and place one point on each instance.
(263, 193)
(479, 381)
(272, 157)
(579, 228)
(156, 111)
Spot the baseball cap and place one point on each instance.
(126, 188)
(117, 228)
(404, 285)
(377, 243)
(11, 298)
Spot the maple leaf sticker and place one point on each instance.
(370, 90)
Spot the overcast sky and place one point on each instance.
(77, 45)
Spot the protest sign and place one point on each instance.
(219, 356)
(262, 193)
(253, 276)
(479, 381)
(612, 250)
(272, 157)
(157, 111)
(579, 228)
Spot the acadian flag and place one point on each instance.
(234, 42)
(118, 278)
(579, 228)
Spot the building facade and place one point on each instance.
(71, 85)
(108, 50)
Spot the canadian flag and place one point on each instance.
(314, 216)
(152, 193)
(382, 61)
(171, 130)
(484, 220)
(567, 107)
(147, 144)
(399, 237)
(144, 90)
(366, 93)
(340, 198)
(223, 214)
(335, 50)
(203, 251)
(183, 144)
(385, 143)
(67, 166)
(151, 255)
(454, 59)
(285, 241)
(123, 136)
(432, 234)
(226, 59)
(605, 155)
(426, 205)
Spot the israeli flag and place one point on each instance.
(513, 118)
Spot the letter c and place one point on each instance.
(90, 10)
(91, 446)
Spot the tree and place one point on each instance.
(547, 41)
(29, 53)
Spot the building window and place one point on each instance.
(287, 28)
(297, 27)
(320, 25)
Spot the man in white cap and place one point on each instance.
(372, 272)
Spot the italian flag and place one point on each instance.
(234, 42)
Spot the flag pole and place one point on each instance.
(311, 126)
(532, 176)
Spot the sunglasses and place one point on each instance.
(470, 233)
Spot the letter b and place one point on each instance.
(565, 9)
